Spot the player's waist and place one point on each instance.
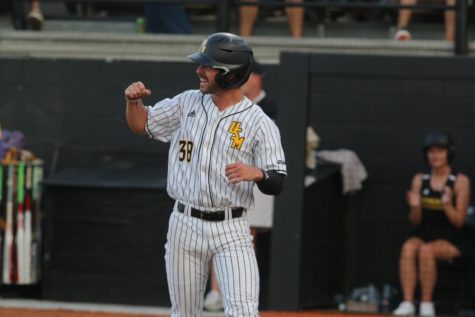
(226, 213)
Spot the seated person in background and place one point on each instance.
(248, 16)
(438, 202)
(35, 17)
(402, 34)
(254, 90)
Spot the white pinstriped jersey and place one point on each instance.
(204, 140)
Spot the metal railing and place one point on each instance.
(461, 12)
(461, 9)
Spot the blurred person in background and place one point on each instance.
(403, 34)
(254, 90)
(166, 18)
(438, 204)
(261, 218)
(35, 17)
(248, 16)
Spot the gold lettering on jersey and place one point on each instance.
(235, 129)
(432, 203)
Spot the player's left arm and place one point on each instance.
(458, 212)
(269, 182)
(270, 169)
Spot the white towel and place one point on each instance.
(353, 171)
(262, 214)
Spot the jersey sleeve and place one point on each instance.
(163, 119)
(269, 154)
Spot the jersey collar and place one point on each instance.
(237, 107)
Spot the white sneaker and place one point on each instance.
(402, 35)
(213, 301)
(426, 309)
(35, 19)
(405, 309)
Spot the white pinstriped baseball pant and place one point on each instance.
(191, 244)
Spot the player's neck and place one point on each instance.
(226, 98)
(441, 170)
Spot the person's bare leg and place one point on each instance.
(254, 238)
(428, 254)
(35, 6)
(35, 17)
(408, 267)
(405, 14)
(450, 22)
(214, 281)
(295, 16)
(427, 271)
(247, 18)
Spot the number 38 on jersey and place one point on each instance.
(186, 150)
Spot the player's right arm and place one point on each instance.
(135, 112)
(414, 200)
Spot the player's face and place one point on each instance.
(437, 156)
(207, 76)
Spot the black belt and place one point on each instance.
(218, 215)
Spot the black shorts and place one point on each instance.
(457, 237)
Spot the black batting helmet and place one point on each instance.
(442, 139)
(229, 53)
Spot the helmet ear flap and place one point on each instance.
(221, 80)
(232, 79)
(450, 153)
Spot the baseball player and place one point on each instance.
(221, 144)
(261, 216)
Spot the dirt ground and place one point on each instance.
(20, 312)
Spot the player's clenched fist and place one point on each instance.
(238, 172)
(136, 91)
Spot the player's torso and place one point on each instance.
(434, 219)
(207, 141)
(431, 199)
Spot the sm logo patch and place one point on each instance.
(236, 138)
